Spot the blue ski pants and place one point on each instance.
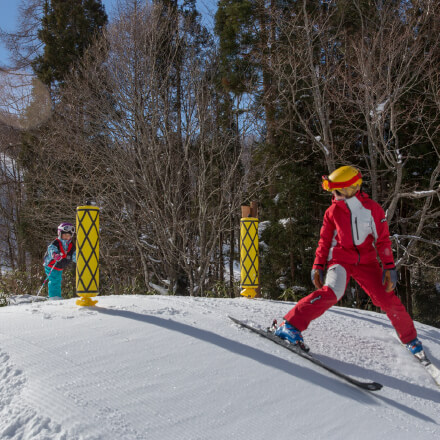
(54, 283)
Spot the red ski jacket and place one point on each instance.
(354, 231)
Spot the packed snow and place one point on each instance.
(166, 367)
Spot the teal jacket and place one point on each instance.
(68, 252)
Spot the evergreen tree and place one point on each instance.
(246, 30)
(68, 28)
(251, 48)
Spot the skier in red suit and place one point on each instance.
(353, 236)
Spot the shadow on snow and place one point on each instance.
(293, 369)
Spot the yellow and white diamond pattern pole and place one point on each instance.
(87, 254)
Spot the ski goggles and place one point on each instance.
(69, 229)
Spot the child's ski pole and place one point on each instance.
(45, 281)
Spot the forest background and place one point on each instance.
(169, 126)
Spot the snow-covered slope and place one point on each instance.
(160, 367)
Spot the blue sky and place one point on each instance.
(8, 17)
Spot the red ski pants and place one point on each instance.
(369, 277)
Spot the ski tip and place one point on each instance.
(374, 386)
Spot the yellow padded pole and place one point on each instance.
(87, 254)
(249, 256)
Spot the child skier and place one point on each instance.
(354, 233)
(60, 253)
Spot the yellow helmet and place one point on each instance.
(344, 177)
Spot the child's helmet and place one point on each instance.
(65, 227)
(344, 177)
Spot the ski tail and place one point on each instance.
(432, 370)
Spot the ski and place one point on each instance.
(432, 370)
(370, 386)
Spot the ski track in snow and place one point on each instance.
(150, 367)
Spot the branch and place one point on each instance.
(397, 237)
(419, 194)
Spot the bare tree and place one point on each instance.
(23, 44)
(385, 91)
(303, 66)
(369, 95)
(167, 190)
(12, 252)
